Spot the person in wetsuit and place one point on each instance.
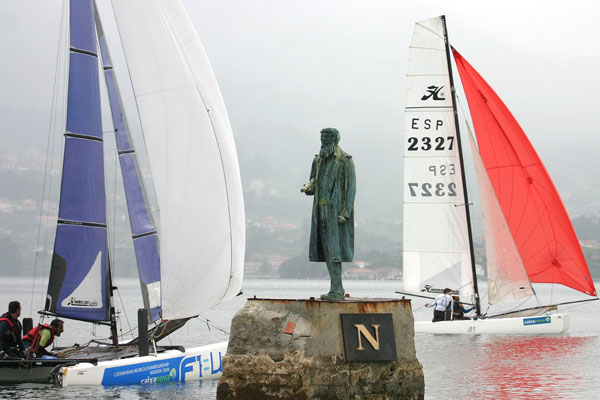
(442, 306)
(46, 334)
(10, 332)
(459, 310)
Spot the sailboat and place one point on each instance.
(529, 236)
(192, 258)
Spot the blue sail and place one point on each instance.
(145, 237)
(79, 284)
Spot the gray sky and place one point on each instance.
(289, 68)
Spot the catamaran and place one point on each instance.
(529, 236)
(189, 261)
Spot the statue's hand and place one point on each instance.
(341, 219)
(308, 188)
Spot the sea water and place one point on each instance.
(455, 366)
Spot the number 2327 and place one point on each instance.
(429, 190)
(440, 143)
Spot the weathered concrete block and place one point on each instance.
(294, 349)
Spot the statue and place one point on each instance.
(333, 184)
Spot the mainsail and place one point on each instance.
(191, 153)
(436, 242)
(79, 283)
(538, 221)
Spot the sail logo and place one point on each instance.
(431, 289)
(89, 292)
(73, 302)
(434, 92)
(536, 321)
(161, 371)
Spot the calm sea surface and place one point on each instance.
(455, 367)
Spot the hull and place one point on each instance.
(539, 325)
(25, 372)
(193, 364)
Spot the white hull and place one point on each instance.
(198, 363)
(539, 325)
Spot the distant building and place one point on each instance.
(360, 273)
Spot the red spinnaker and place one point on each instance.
(535, 213)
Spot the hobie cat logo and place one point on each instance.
(434, 92)
(73, 302)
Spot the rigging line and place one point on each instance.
(428, 29)
(48, 146)
(466, 284)
(209, 323)
(124, 312)
(523, 302)
(485, 297)
(112, 252)
(469, 191)
(61, 143)
(114, 223)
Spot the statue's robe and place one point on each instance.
(338, 188)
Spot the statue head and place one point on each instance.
(330, 137)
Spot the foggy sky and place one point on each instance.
(289, 68)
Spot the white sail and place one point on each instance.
(435, 239)
(88, 294)
(192, 156)
(507, 277)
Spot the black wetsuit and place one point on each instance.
(10, 336)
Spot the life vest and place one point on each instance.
(458, 311)
(14, 329)
(32, 334)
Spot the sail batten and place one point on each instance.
(535, 214)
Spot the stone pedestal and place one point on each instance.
(294, 349)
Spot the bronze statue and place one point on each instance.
(333, 183)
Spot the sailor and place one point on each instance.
(458, 310)
(10, 332)
(442, 306)
(42, 336)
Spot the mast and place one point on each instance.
(462, 170)
(111, 310)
